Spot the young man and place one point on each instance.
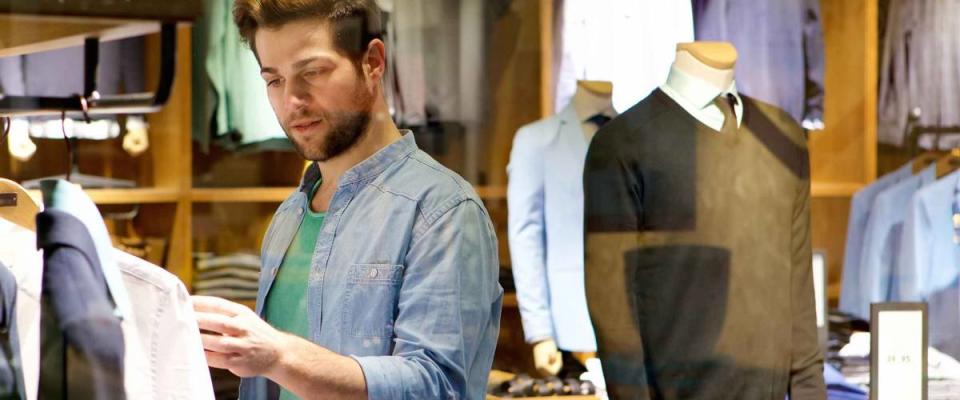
(379, 276)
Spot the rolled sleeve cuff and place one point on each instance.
(534, 331)
(531, 339)
(381, 384)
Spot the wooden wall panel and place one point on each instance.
(170, 147)
(514, 73)
(845, 150)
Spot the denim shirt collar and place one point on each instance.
(369, 168)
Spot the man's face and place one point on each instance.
(320, 97)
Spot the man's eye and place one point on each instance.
(273, 83)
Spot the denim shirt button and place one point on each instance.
(372, 273)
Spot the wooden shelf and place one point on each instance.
(23, 34)
(831, 189)
(28, 26)
(125, 196)
(167, 10)
(242, 195)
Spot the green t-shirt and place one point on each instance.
(286, 305)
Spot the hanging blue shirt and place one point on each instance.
(881, 243)
(860, 208)
(929, 263)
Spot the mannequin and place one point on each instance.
(704, 69)
(545, 165)
(681, 291)
(592, 98)
(712, 62)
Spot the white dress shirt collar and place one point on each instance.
(696, 97)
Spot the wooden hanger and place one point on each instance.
(948, 163)
(924, 160)
(17, 206)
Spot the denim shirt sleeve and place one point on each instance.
(448, 312)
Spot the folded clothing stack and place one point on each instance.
(234, 276)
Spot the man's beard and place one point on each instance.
(346, 129)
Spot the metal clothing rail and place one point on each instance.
(914, 132)
(96, 104)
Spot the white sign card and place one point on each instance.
(898, 351)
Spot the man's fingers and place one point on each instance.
(220, 344)
(217, 305)
(219, 323)
(218, 360)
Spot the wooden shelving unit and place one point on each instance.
(828, 189)
(29, 26)
(241, 195)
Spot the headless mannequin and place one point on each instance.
(712, 62)
(701, 72)
(591, 98)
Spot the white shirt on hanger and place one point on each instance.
(163, 354)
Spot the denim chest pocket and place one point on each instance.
(371, 299)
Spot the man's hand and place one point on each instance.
(238, 340)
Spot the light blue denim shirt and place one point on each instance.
(404, 277)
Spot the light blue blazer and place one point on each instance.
(545, 227)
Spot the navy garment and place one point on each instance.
(780, 47)
(81, 341)
(11, 371)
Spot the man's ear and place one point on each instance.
(375, 60)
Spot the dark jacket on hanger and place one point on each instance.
(698, 257)
(81, 342)
(11, 371)
(780, 47)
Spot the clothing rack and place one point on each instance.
(89, 23)
(914, 131)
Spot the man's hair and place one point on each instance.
(354, 23)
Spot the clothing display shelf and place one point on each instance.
(32, 26)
